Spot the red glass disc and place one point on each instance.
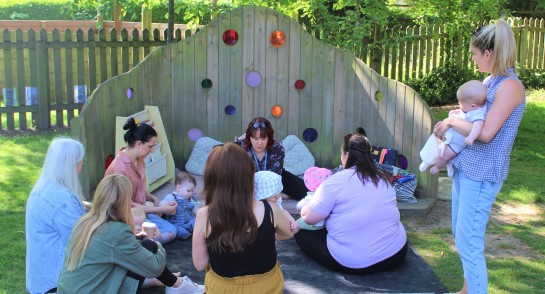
(299, 84)
(277, 38)
(230, 37)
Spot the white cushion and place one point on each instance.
(297, 156)
(199, 154)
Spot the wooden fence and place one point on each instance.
(412, 52)
(49, 70)
(47, 75)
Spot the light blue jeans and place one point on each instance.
(471, 204)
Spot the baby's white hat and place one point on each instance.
(267, 184)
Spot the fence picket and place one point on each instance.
(21, 79)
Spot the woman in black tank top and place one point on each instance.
(234, 236)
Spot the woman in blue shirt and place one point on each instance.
(52, 209)
(481, 168)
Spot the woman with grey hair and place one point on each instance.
(52, 209)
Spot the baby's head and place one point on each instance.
(267, 185)
(471, 95)
(314, 176)
(139, 217)
(185, 185)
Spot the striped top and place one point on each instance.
(490, 161)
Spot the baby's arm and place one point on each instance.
(293, 223)
(476, 128)
(454, 112)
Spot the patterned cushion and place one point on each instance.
(199, 154)
(298, 158)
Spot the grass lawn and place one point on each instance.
(22, 157)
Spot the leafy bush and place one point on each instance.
(35, 10)
(440, 85)
(532, 79)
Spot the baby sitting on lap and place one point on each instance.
(314, 177)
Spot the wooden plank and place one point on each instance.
(135, 49)
(260, 59)
(428, 56)
(363, 98)
(33, 70)
(345, 106)
(178, 131)
(102, 57)
(282, 78)
(69, 74)
(125, 51)
(21, 78)
(399, 116)
(92, 60)
(247, 36)
(186, 107)
(421, 51)
(43, 82)
(270, 74)
(435, 44)
(80, 63)
(413, 51)
(200, 93)
(523, 45)
(394, 54)
(386, 56)
(57, 76)
(305, 95)
(213, 36)
(294, 63)
(317, 96)
(329, 85)
(390, 118)
(408, 127)
(224, 81)
(8, 72)
(235, 123)
(113, 53)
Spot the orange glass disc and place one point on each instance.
(276, 111)
(277, 38)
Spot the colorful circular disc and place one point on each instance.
(277, 38)
(253, 79)
(129, 93)
(194, 134)
(230, 110)
(206, 84)
(299, 84)
(310, 135)
(230, 37)
(276, 111)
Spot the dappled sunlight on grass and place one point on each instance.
(516, 276)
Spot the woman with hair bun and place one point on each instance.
(480, 169)
(141, 139)
(363, 233)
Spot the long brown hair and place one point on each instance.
(358, 148)
(265, 129)
(229, 194)
(111, 202)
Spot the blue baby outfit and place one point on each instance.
(184, 218)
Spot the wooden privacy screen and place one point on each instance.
(204, 83)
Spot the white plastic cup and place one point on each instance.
(150, 229)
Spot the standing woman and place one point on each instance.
(480, 169)
(234, 235)
(52, 209)
(268, 154)
(141, 139)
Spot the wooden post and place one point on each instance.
(146, 17)
(118, 20)
(376, 51)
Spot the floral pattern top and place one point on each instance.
(274, 159)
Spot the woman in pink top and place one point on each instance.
(363, 233)
(141, 139)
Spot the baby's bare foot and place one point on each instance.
(434, 170)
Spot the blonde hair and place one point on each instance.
(499, 39)
(112, 202)
(473, 92)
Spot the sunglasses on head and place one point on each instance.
(256, 125)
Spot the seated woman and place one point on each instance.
(141, 139)
(268, 154)
(234, 235)
(103, 254)
(363, 233)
